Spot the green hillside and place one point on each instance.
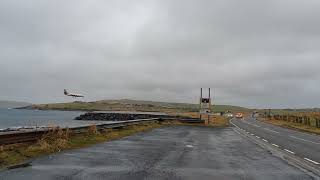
(133, 105)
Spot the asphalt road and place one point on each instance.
(181, 152)
(303, 145)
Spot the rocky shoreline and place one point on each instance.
(95, 116)
(114, 116)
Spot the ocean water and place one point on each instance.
(21, 117)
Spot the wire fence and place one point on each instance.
(309, 120)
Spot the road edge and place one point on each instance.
(291, 159)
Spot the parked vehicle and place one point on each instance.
(228, 115)
(239, 115)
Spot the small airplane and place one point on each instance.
(72, 94)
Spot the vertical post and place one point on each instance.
(200, 104)
(209, 105)
(269, 114)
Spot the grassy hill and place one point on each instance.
(133, 105)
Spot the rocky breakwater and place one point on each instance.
(114, 116)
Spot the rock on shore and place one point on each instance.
(114, 116)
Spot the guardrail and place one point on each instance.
(34, 135)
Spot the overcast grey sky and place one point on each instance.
(252, 53)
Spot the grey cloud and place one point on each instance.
(252, 53)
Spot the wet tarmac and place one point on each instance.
(182, 152)
(304, 145)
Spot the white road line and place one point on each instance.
(237, 131)
(67, 154)
(275, 145)
(246, 122)
(304, 140)
(264, 140)
(271, 130)
(251, 124)
(237, 126)
(258, 137)
(289, 151)
(234, 125)
(314, 162)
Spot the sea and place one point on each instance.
(13, 118)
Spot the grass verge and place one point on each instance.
(214, 121)
(58, 139)
(291, 125)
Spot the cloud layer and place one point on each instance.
(252, 53)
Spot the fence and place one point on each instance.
(313, 121)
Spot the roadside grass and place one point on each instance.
(215, 121)
(58, 139)
(292, 125)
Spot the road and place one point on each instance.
(303, 145)
(178, 152)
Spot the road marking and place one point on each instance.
(235, 130)
(304, 140)
(258, 137)
(251, 124)
(234, 124)
(247, 122)
(271, 130)
(314, 162)
(275, 145)
(67, 154)
(237, 126)
(189, 146)
(289, 151)
(264, 140)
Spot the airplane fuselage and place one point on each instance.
(75, 95)
(72, 94)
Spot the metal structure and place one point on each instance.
(205, 105)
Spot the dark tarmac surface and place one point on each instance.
(182, 152)
(301, 144)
